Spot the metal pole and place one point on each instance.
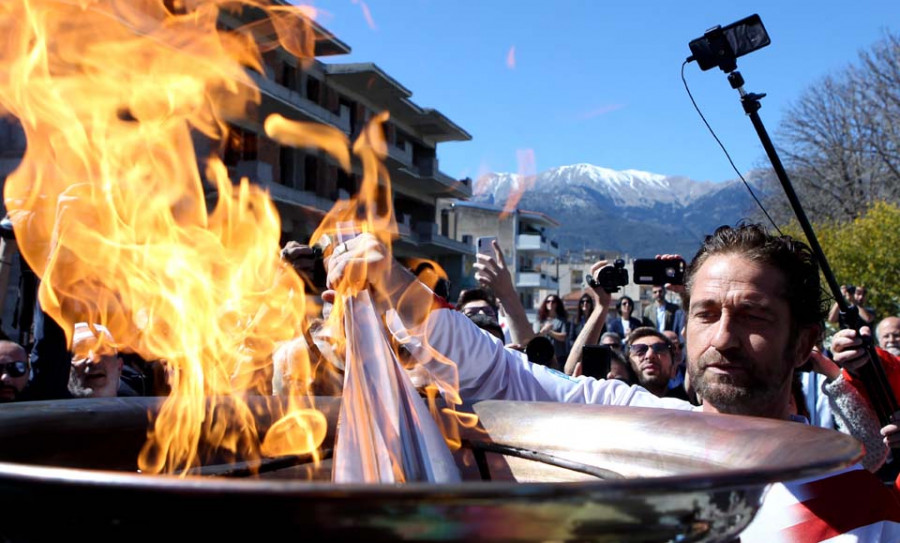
(872, 373)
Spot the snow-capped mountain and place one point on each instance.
(631, 211)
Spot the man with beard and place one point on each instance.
(888, 334)
(96, 366)
(14, 370)
(651, 354)
(755, 313)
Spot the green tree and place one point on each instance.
(865, 251)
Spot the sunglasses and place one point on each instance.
(14, 369)
(641, 348)
(484, 309)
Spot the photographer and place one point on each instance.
(593, 327)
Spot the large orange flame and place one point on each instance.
(110, 210)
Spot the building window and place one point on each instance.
(241, 146)
(347, 182)
(286, 157)
(332, 100)
(400, 141)
(445, 223)
(310, 172)
(313, 89)
(289, 76)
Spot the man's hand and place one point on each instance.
(358, 263)
(824, 365)
(848, 350)
(598, 294)
(891, 432)
(845, 292)
(677, 289)
(492, 273)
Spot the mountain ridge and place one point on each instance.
(630, 211)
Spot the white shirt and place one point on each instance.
(661, 317)
(626, 325)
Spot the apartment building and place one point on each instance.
(524, 237)
(304, 183)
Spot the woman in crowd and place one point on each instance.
(585, 308)
(551, 323)
(624, 323)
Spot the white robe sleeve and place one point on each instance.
(487, 370)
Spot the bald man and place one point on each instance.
(888, 334)
(14, 371)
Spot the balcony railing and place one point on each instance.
(404, 156)
(538, 244)
(530, 279)
(302, 104)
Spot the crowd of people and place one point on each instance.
(755, 315)
(746, 340)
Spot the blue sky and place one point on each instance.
(599, 81)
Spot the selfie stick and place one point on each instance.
(872, 373)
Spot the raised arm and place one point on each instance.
(590, 334)
(494, 274)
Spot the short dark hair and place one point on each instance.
(472, 294)
(793, 258)
(617, 337)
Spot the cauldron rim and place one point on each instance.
(845, 452)
(713, 507)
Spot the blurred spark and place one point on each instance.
(603, 110)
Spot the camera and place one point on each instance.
(654, 271)
(610, 277)
(720, 46)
